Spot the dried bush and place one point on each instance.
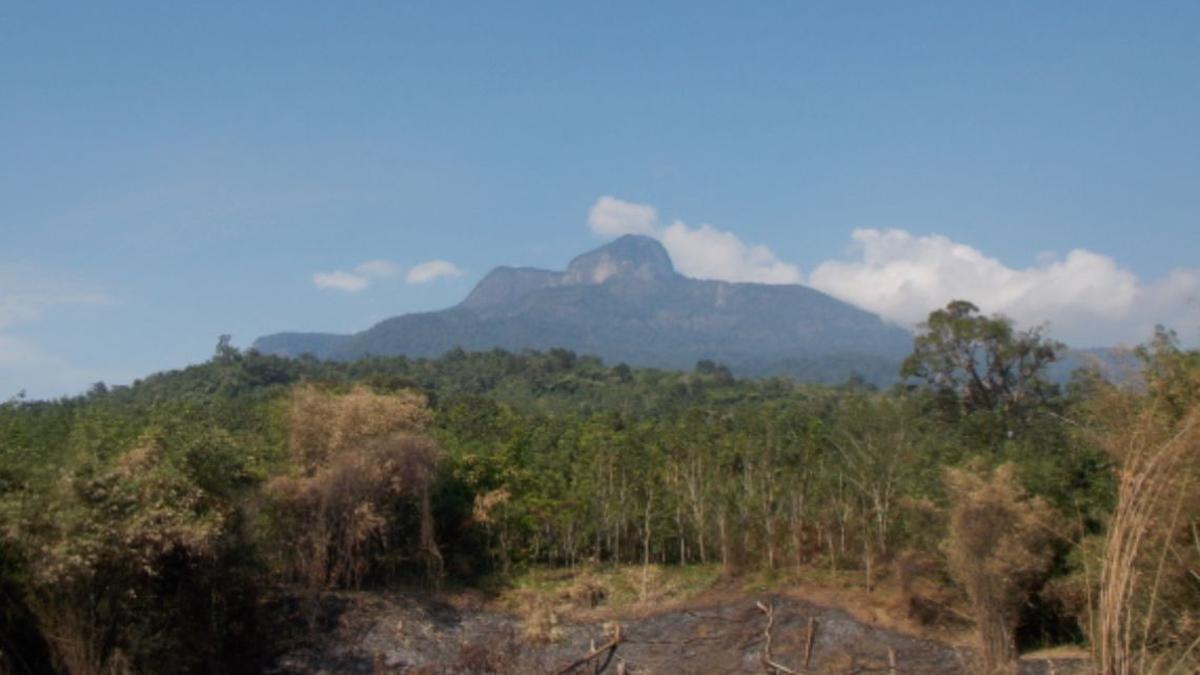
(585, 591)
(323, 424)
(915, 573)
(1147, 603)
(539, 617)
(997, 550)
(358, 464)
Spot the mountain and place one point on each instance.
(626, 303)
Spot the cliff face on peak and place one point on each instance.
(625, 302)
(629, 257)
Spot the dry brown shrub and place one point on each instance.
(358, 460)
(585, 591)
(997, 550)
(486, 505)
(540, 622)
(1146, 616)
(323, 424)
(920, 597)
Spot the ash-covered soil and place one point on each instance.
(406, 633)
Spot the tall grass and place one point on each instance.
(1139, 626)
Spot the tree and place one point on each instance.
(877, 445)
(982, 363)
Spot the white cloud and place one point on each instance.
(703, 252)
(354, 282)
(378, 269)
(345, 282)
(1087, 298)
(708, 253)
(432, 270)
(612, 217)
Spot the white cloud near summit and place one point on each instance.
(703, 252)
(612, 217)
(1086, 298)
(708, 253)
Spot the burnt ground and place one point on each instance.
(406, 633)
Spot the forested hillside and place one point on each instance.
(151, 528)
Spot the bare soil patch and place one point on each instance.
(415, 633)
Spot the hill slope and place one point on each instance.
(624, 302)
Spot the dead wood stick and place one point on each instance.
(891, 661)
(768, 663)
(608, 647)
(808, 641)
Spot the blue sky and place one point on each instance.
(169, 173)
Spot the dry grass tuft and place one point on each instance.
(1150, 543)
(540, 621)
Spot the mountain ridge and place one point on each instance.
(625, 302)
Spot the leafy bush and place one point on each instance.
(94, 544)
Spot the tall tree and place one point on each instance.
(980, 362)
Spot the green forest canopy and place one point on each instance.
(145, 524)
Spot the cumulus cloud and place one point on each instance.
(612, 217)
(378, 269)
(357, 280)
(345, 282)
(1087, 298)
(431, 271)
(702, 252)
(708, 253)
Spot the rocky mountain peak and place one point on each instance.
(631, 256)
